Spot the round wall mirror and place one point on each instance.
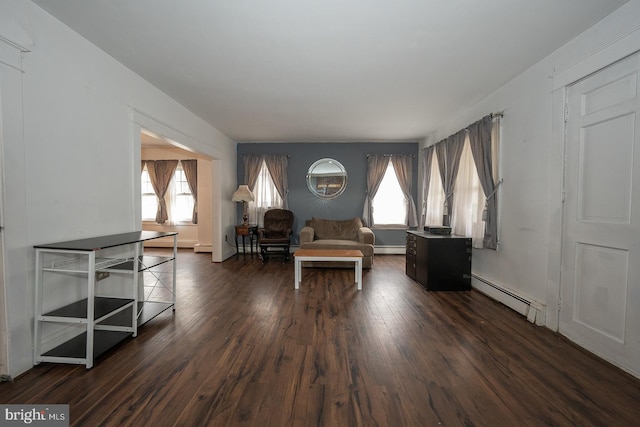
(327, 178)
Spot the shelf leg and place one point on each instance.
(91, 294)
(136, 287)
(37, 331)
(175, 257)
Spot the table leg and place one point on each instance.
(359, 273)
(298, 267)
(237, 251)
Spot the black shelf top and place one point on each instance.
(104, 242)
(77, 347)
(78, 309)
(147, 311)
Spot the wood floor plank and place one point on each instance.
(244, 348)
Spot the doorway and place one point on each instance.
(198, 234)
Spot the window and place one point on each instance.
(389, 203)
(265, 194)
(181, 207)
(468, 199)
(435, 202)
(179, 198)
(468, 206)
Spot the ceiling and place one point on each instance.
(330, 70)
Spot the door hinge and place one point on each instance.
(563, 195)
(566, 112)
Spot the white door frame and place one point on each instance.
(142, 120)
(604, 57)
(4, 337)
(11, 121)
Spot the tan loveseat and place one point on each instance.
(338, 234)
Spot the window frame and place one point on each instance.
(255, 211)
(169, 198)
(391, 226)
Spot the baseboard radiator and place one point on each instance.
(533, 310)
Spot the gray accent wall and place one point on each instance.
(349, 204)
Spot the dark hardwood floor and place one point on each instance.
(245, 348)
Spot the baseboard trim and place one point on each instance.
(390, 250)
(535, 311)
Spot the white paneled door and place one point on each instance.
(600, 285)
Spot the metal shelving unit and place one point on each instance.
(105, 320)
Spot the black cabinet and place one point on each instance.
(437, 262)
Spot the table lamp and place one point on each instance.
(244, 195)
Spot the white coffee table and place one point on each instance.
(343, 255)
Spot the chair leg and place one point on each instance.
(286, 252)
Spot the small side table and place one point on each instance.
(250, 230)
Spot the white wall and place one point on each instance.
(76, 174)
(527, 261)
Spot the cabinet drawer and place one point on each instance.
(410, 266)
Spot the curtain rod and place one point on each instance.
(155, 160)
(245, 155)
(497, 114)
(390, 155)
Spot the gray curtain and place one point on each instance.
(403, 165)
(376, 168)
(480, 139)
(449, 152)
(441, 155)
(190, 168)
(277, 167)
(252, 165)
(160, 173)
(427, 160)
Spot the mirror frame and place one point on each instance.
(312, 185)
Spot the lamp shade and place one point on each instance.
(242, 194)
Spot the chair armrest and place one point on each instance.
(306, 235)
(365, 235)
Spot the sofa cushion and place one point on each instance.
(336, 229)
